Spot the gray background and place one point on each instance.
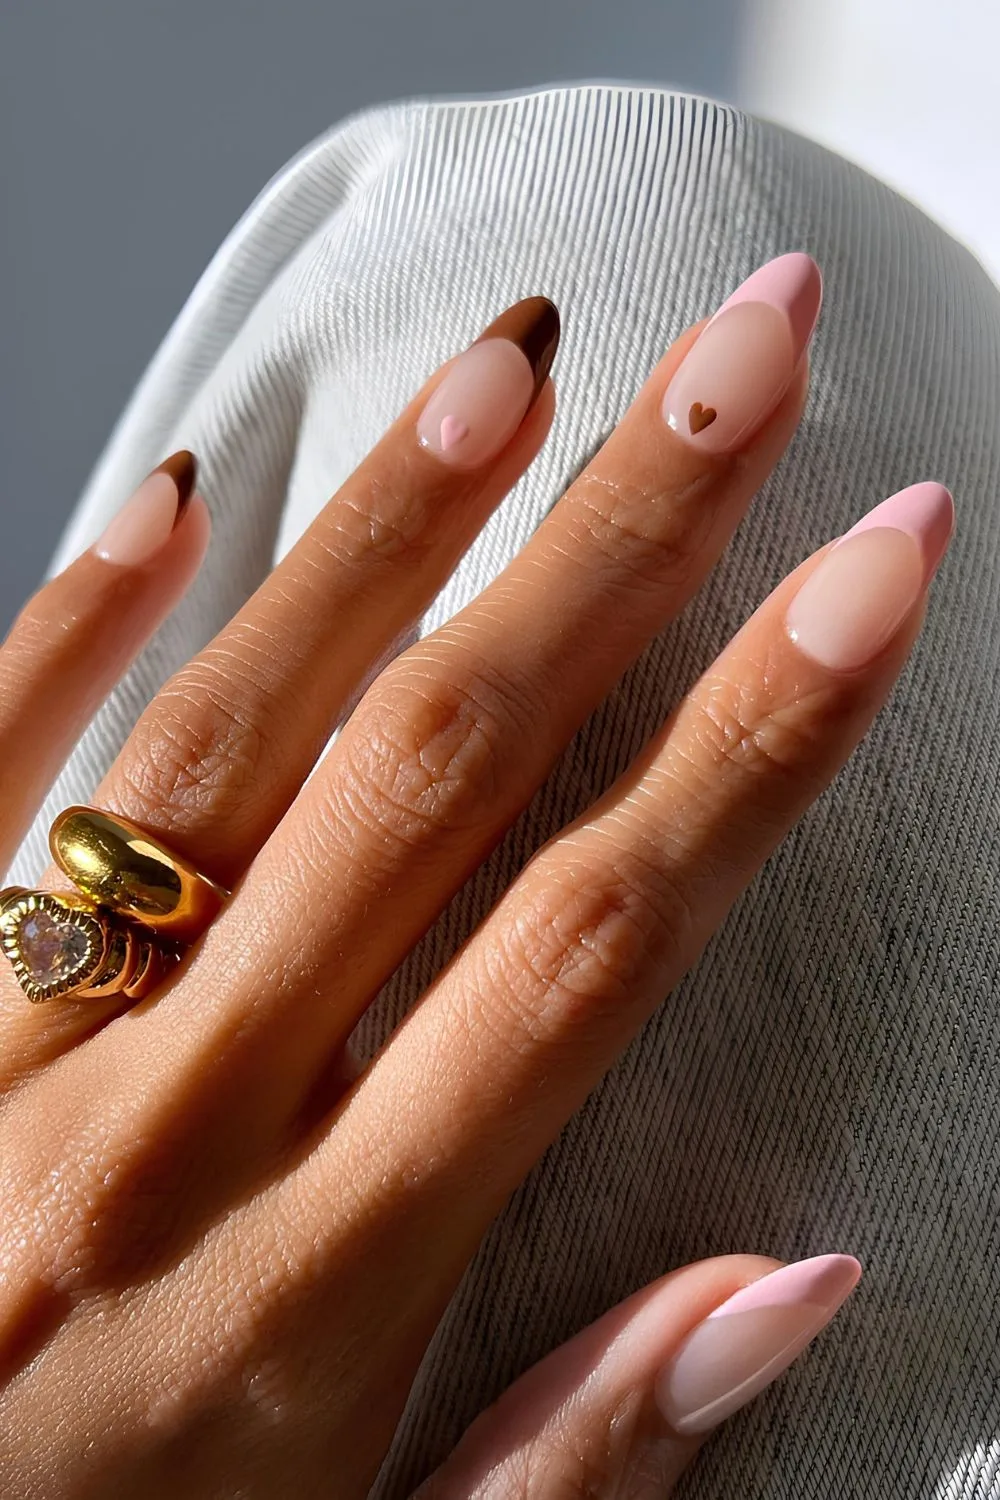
(135, 132)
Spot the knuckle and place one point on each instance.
(600, 1463)
(32, 630)
(520, 1476)
(426, 756)
(628, 523)
(565, 1460)
(388, 525)
(42, 638)
(592, 934)
(739, 723)
(200, 746)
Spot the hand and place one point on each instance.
(225, 1246)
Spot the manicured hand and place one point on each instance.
(226, 1245)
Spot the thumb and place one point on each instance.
(621, 1409)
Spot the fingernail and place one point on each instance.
(750, 1339)
(743, 360)
(484, 397)
(145, 521)
(866, 585)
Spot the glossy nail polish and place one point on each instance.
(146, 520)
(750, 1339)
(743, 360)
(851, 605)
(488, 390)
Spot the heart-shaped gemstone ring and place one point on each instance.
(55, 946)
(138, 904)
(62, 947)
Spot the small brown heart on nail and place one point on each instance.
(701, 416)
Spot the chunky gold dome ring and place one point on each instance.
(139, 906)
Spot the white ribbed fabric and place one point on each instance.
(826, 1079)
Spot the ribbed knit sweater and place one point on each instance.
(827, 1077)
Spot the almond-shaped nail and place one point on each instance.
(742, 362)
(486, 394)
(852, 604)
(750, 1339)
(145, 521)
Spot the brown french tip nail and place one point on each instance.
(489, 389)
(182, 468)
(533, 325)
(146, 520)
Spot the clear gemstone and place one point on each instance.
(54, 952)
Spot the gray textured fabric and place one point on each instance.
(827, 1077)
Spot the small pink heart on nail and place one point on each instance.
(452, 432)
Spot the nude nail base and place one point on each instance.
(750, 1339)
(487, 391)
(743, 361)
(146, 520)
(858, 596)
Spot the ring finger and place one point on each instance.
(215, 760)
(223, 748)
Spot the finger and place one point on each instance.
(620, 1411)
(73, 640)
(608, 917)
(453, 739)
(224, 748)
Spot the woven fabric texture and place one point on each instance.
(826, 1078)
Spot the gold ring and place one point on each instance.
(119, 865)
(139, 904)
(63, 947)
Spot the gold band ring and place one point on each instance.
(121, 866)
(139, 904)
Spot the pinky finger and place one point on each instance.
(75, 637)
(620, 1411)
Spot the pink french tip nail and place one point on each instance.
(750, 1339)
(793, 283)
(852, 604)
(743, 360)
(924, 511)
